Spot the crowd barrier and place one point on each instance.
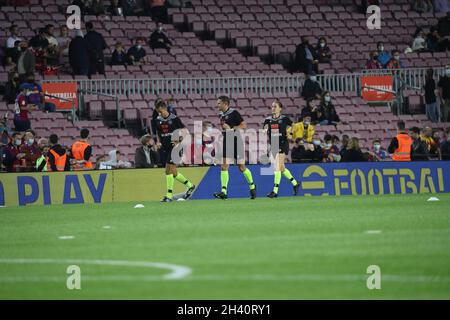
(139, 185)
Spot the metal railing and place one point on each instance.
(264, 84)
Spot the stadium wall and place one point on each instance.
(149, 184)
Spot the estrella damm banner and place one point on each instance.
(370, 84)
(376, 178)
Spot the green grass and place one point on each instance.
(286, 248)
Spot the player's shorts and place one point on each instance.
(237, 152)
(168, 151)
(283, 148)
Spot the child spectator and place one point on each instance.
(136, 54)
(311, 110)
(330, 153)
(378, 153)
(373, 62)
(119, 57)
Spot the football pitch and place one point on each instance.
(285, 248)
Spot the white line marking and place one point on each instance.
(256, 277)
(372, 231)
(106, 227)
(176, 271)
(66, 237)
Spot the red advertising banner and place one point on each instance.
(66, 90)
(371, 84)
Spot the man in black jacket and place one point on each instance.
(311, 88)
(305, 57)
(419, 149)
(159, 39)
(96, 45)
(79, 54)
(60, 152)
(146, 155)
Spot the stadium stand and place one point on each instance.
(228, 38)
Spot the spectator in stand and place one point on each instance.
(328, 114)
(13, 37)
(159, 39)
(81, 152)
(373, 62)
(35, 94)
(444, 25)
(136, 54)
(147, 155)
(4, 136)
(431, 105)
(171, 106)
(12, 157)
(97, 8)
(13, 54)
(96, 45)
(445, 146)
(119, 56)
(53, 45)
(306, 152)
(311, 110)
(21, 120)
(395, 62)
(115, 161)
(378, 153)
(158, 10)
(383, 56)
(311, 87)
(422, 6)
(432, 147)
(444, 94)
(353, 153)
(419, 149)
(42, 162)
(303, 129)
(441, 6)
(115, 8)
(436, 43)
(11, 88)
(132, 7)
(79, 54)
(40, 40)
(419, 43)
(330, 153)
(31, 150)
(323, 51)
(345, 139)
(305, 57)
(57, 157)
(63, 41)
(27, 60)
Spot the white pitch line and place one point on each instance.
(66, 237)
(372, 231)
(177, 272)
(260, 277)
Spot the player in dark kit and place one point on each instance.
(278, 130)
(231, 120)
(166, 124)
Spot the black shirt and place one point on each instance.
(277, 128)
(445, 150)
(165, 128)
(231, 117)
(444, 83)
(419, 150)
(352, 155)
(430, 87)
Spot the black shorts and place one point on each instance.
(237, 152)
(283, 148)
(168, 153)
